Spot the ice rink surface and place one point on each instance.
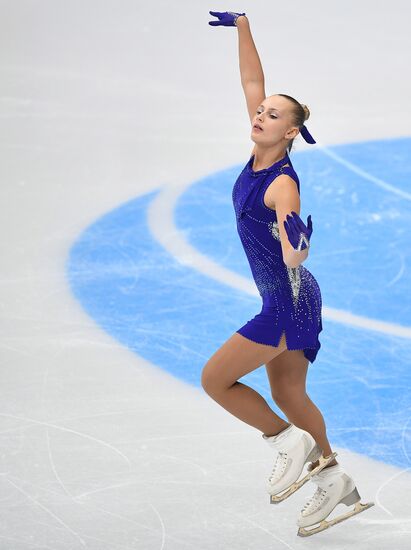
(124, 128)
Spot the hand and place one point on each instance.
(226, 18)
(298, 234)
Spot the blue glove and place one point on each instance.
(298, 234)
(226, 18)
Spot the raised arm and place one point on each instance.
(252, 76)
(251, 71)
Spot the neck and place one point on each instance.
(263, 158)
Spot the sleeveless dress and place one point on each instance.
(291, 297)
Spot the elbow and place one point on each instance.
(288, 257)
(293, 259)
(291, 264)
(288, 262)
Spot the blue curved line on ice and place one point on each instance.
(176, 317)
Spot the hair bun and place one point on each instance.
(306, 111)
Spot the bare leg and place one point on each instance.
(234, 359)
(302, 412)
(287, 376)
(250, 407)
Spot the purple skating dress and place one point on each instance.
(291, 296)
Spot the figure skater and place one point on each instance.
(284, 335)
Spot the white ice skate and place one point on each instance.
(334, 487)
(295, 447)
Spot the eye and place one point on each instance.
(272, 116)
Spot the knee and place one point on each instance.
(209, 379)
(214, 380)
(289, 395)
(205, 379)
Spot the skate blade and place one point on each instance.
(323, 461)
(324, 524)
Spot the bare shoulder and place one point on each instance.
(282, 187)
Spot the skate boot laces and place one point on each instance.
(314, 502)
(279, 466)
(325, 478)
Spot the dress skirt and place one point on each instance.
(263, 328)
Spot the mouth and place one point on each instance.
(257, 127)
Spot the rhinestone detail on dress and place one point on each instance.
(293, 272)
(291, 296)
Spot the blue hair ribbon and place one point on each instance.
(306, 134)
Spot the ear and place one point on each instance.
(292, 133)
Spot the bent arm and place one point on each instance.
(250, 65)
(295, 257)
(287, 199)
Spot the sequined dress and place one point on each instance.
(291, 297)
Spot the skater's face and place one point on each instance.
(275, 117)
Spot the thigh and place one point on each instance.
(287, 373)
(234, 359)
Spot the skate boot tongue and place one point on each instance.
(291, 434)
(326, 473)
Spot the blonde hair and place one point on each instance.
(300, 114)
(306, 111)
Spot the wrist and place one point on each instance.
(241, 20)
